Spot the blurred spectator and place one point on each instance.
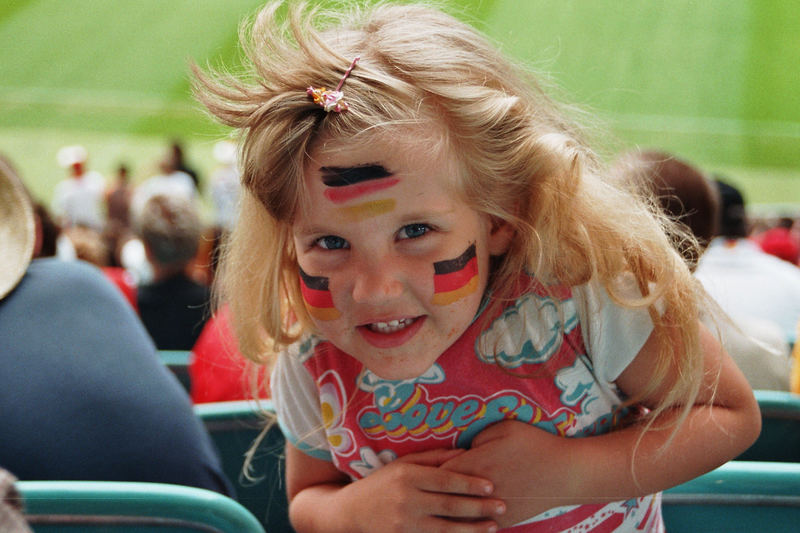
(758, 346)
(84, 394)
(178, 158)
(47, 231)
(781, 241)
(742, 278)
(225, 185)
(173, 307)
(118, 205)
(90, 246)
(218, 371)
(170, 182)
(681, 190)
(78, 199)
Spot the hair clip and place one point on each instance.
(332, 100)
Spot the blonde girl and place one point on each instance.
(471, 325)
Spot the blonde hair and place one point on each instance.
(521, 162)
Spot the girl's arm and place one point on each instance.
(534, 470)
(410, 494)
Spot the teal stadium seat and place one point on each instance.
(780, 428)
(233, 427)
(131, 507)
(178, 362)
(740, 496)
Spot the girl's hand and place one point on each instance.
(411, 494)
(525, 464)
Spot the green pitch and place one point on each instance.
(714, 81)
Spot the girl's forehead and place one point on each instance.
(375, 155)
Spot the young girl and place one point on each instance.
(471, 325)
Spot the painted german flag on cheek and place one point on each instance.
(317, 296)
(455, 278)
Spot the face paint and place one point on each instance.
(317, 296)
(454, 279)
(350, 192)
(359, 212)
(347, 183)
(344, 176)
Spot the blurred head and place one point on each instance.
(682, 191)
(733, 216)
(89, 245)
(73, 158)
(170, 228)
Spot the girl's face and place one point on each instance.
(393, 264)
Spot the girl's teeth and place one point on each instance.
(391, 326)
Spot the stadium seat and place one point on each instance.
(780, 428)
(740, 496)
(131, 507)
(178, 362)
(234, 426)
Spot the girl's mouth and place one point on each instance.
(391, 326)
(392, 333)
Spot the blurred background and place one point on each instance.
(714, 82)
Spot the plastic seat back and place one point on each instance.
(131, 507)
(178, 362)
(780, 428)
(740, 496)
(234, 427)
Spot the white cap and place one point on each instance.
(70, 155)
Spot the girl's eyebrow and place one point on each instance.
(344, 176)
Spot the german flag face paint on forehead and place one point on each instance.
(318, 298)
(455, 279)
(348, 183)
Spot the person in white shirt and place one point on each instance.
(78, 199)
(742, 278)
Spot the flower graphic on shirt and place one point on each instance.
(371, 461)
(332, 400)
(529, 332)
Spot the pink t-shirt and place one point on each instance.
(331, 407)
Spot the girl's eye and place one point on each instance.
(413, 231)
(332, 242)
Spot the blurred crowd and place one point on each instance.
(154, 243)
(748, 265)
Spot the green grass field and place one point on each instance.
(714, 82)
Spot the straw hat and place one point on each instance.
(17, 230)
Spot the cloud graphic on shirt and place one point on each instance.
(528, 332)
(581, 391)
(390, 395)
(371, 461)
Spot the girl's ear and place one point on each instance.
(500, 236)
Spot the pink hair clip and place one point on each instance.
(332, 100)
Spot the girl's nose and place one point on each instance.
(376, 280)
